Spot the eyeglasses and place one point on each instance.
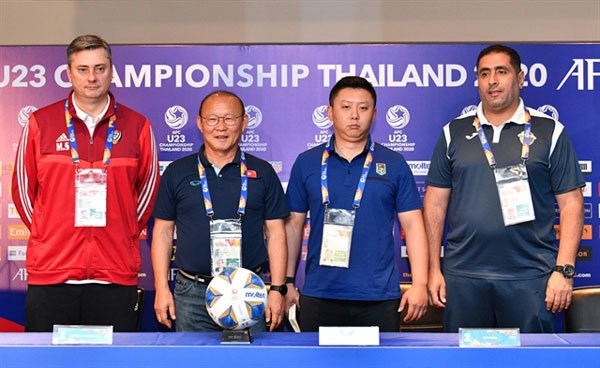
(229, 120)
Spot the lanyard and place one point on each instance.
(485, 144)
(73, 141)
(243, 190)
(363, 176)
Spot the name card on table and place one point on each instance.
(489, 338)
(349, 336)
(80, 335)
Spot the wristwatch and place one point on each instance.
(568, 271)
(289, 280)
(281, 288)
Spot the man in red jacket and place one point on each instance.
(85, 179)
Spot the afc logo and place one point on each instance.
(584, 71)
(21, 275)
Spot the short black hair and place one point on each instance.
(222, 93)
(352, 82)
(515, 58)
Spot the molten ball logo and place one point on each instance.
(320, 119)
(176, 117)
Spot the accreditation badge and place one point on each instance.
(337, 237)
(90, 197)
(515, 194)
(225, 244)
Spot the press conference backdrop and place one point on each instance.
(285, 87)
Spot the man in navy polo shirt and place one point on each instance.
(354, 188)
(217, 198)
(496, 174)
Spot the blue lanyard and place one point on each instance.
(73, 141)
(243, 190)
(363, 176)
(485, 144)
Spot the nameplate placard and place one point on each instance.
(82, 335)
(349, 336)
(489, 338)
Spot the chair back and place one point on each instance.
(140, 308)
(430, 322)
(584, 313)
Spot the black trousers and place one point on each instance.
(317, 312)
(87, 304)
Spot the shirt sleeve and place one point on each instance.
(275, 203)
(24, 180)
(440, 172)
(148, 175)
(296, 195)
(565, 174)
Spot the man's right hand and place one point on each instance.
(164, 307)
(437, 289)
(292, 297)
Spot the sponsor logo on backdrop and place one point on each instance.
(16, 252)
(584, 254)
(25, 113)
(18, 232)
(585, 166)
(12, 211)
(584, 72)
(419, 168)
(421, 188)
(549, 110)
(20, 275)
(144, 233)
(172, 274)
(162, 165)
(250, 139)
(398, 118)
(321, 121)
(176, 117)
(587, 232)
(277, 166)
(587, 190)
(468, 109)
(587, 210)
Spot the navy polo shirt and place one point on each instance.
(478, 244)
(390, 189)
(180, 199)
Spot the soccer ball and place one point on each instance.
(236, 299)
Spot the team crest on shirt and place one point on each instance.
(116, 136)
(522, 135)
(380, 168)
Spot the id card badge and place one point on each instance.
(337, 237)
(225, 244)
(515, 195)
(90, 197)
